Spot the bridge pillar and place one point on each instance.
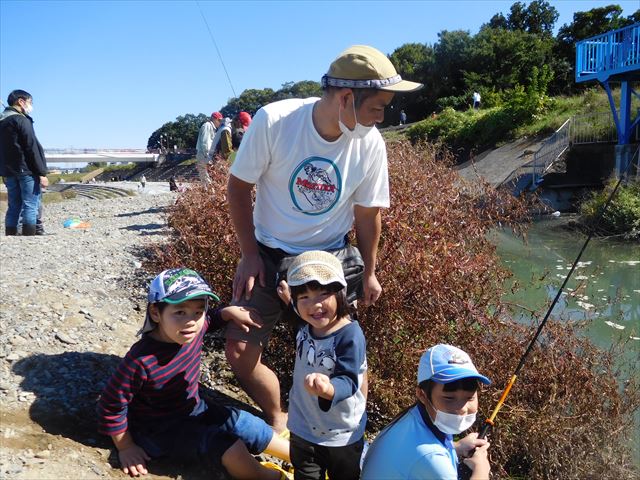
(624, 156)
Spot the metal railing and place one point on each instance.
(613, 52)
(550, 150)
(597, 127)
(589, 128)
(72, 150)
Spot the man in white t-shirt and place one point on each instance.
(319, 166)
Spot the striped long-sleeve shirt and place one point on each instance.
(155, 382)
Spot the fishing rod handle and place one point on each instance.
(484, 431)
(465, 472)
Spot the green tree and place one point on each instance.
(497, 21)
(541, 17)
(500, 59)
(413, 61)
(516, 20)
(303, 89)
(183, 132)
(251, 100)
(451, 55)
(538, 17)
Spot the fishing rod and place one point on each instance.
(489, 422)
(213, 40)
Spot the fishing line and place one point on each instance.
(213, 40)
(489, 422)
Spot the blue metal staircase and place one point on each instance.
(612, 54)
(614, 57)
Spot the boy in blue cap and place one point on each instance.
(151, 406)
(419, 442)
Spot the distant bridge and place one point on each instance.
(90, 155)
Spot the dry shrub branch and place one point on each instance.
(568, 416)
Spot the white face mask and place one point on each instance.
(28, 108)
(359, 131)
(451, 423)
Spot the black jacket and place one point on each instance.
(20, 150)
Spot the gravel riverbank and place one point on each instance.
(70, 306)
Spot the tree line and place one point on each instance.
(494, 62)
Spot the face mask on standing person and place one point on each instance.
(28, 107)
(359, 131)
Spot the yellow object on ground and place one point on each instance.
(284, 475)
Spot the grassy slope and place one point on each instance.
(460, 128)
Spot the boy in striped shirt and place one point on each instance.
(151, 407)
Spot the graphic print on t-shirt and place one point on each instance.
(315, 186)
(320, 356)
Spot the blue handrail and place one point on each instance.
(612, 53)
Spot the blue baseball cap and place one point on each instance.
(445, 364)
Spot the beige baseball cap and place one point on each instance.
(361, 66)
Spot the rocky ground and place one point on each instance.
(70, 306)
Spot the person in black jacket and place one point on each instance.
(22, 164)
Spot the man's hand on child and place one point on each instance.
(133, 460)
(249, 272)
(243, 317)
(320, 385)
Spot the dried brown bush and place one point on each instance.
(567, 415)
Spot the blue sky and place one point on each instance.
(106, 74)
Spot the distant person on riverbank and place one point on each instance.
(318, 165)
(151, 406)
(419, 442)
(240, 125)
(222, 142)
(22, 164)
(476, 100)
(143, 182)
(204, 146)
(173, 186)
(403, 117)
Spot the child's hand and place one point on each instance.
(479, 462)
(465, 446)
(320, 385)
(284, 292)
(243, 317)
(133, 460)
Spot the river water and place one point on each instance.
(604, 289)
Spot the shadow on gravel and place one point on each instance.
(143, 212)
(148, 229)
(67, 387)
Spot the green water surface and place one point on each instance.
(604, 289)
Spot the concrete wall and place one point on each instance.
(587, 168)
(586, 165)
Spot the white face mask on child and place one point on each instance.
(451, 423)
